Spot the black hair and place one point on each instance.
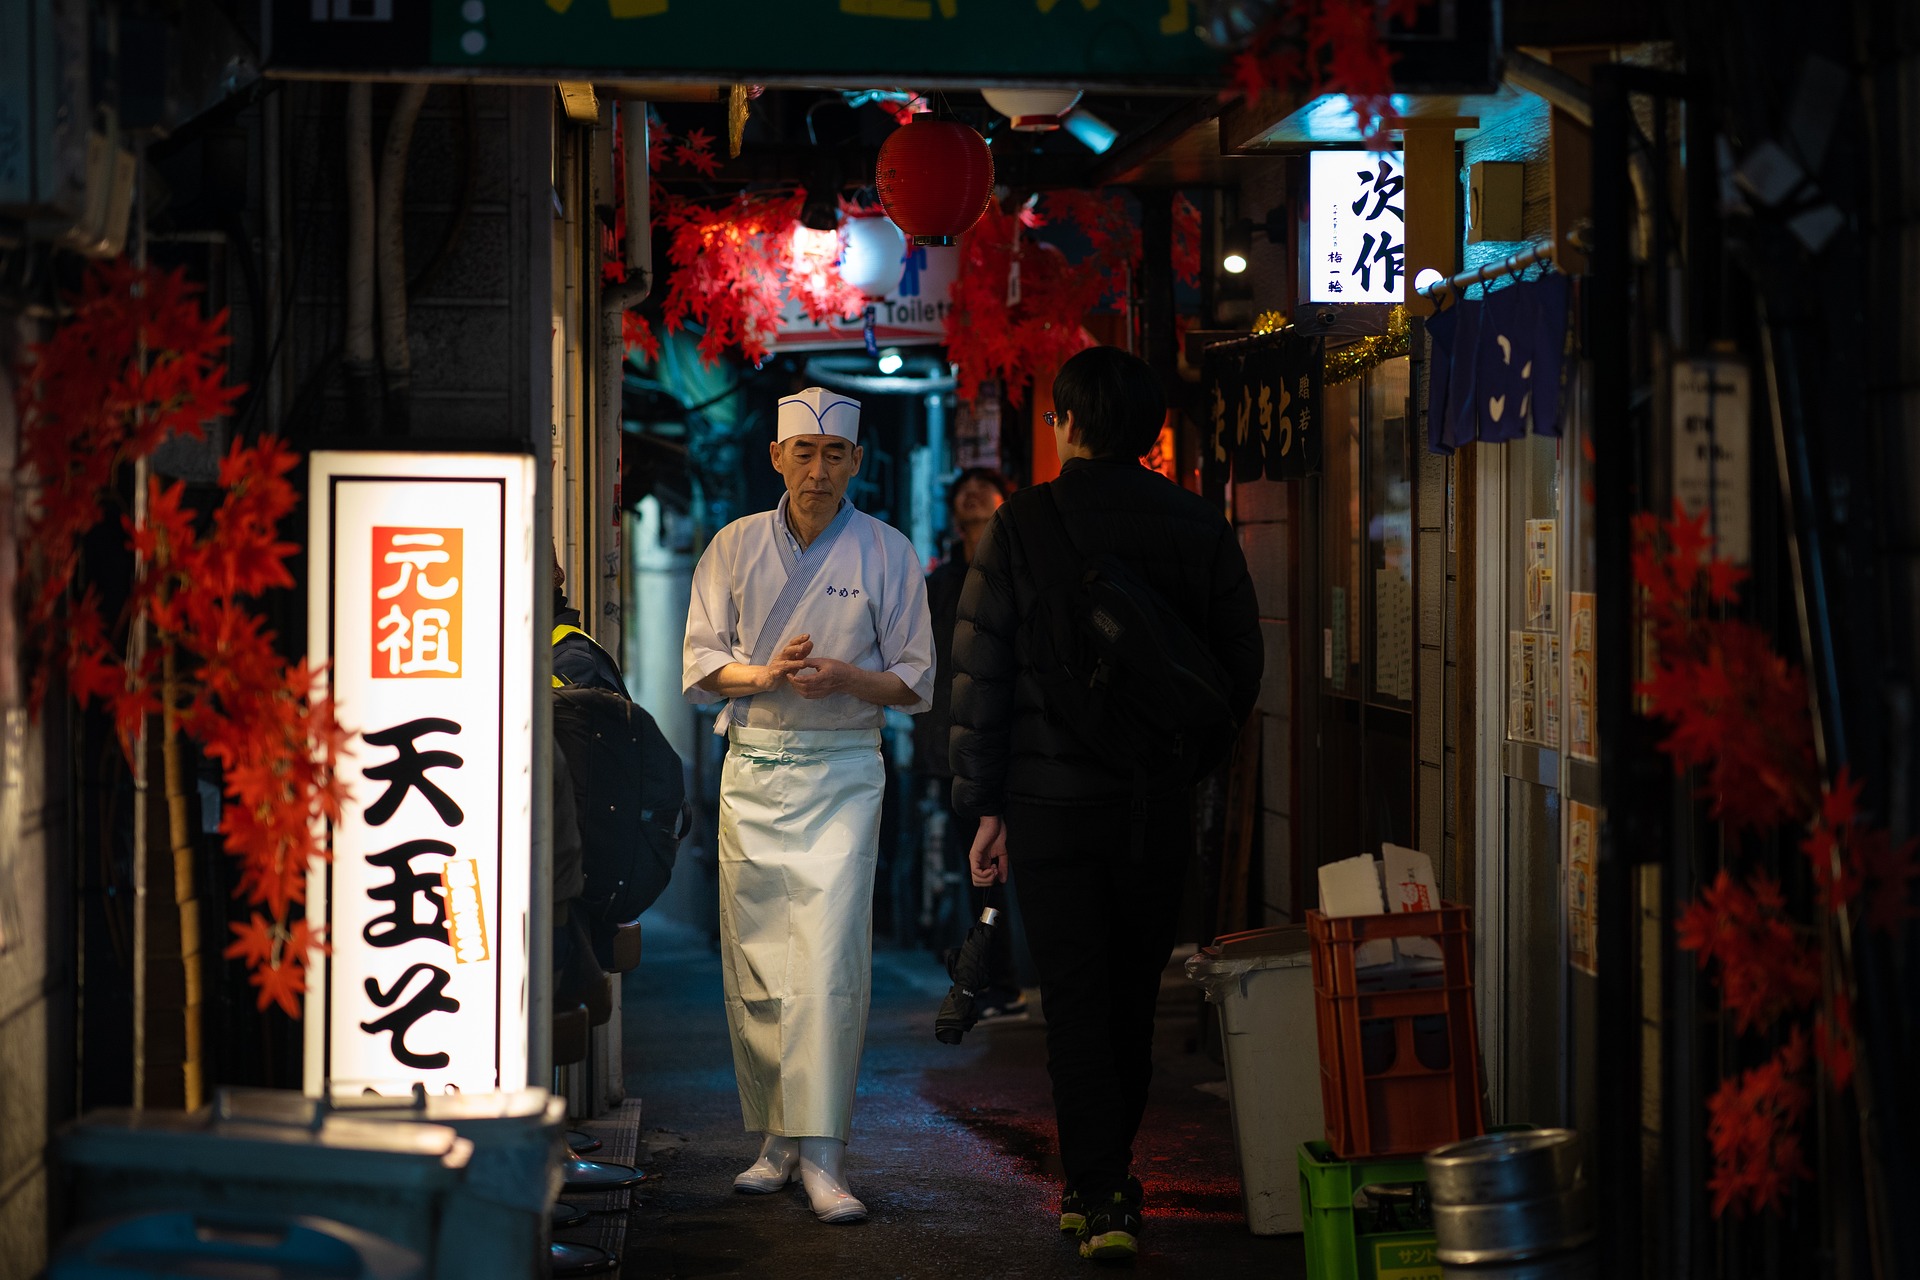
(988, 474)
(1115, 398)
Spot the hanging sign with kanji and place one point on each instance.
(1356, 227)
(1263, 411)
(420, 602)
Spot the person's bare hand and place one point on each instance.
(792, 657)
(823, 677)
(987, 860)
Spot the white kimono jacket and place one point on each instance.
(800, 799)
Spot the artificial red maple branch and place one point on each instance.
(991, 337)
(1738, 712)
(1327, 46)
(135, 363)
(734, 263)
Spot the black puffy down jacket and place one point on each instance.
(1001, 746)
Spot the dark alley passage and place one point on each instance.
(952, 1148)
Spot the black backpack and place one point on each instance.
(1117, 665)
(632, 802)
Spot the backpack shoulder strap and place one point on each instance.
(561, 630)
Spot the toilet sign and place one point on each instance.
(420, 600)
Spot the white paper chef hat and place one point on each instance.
(819, 412)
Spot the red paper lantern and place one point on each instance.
(935, 178)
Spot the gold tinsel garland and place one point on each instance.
(1269, 321)
(1353, 360)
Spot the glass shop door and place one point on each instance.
(1537, 769)
(1358, 775)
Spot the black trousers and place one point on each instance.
(1100, 925)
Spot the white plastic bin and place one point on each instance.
(1262, 981)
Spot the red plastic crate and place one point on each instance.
(1399, 1064)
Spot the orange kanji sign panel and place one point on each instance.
(417, 623)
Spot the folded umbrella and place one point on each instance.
(969, 967)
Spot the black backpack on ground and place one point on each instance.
(632, 802)
(1118, 666)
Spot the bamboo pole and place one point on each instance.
(180, 840)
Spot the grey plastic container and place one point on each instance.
(1262, 981)
(259, 1246)
(393, 1181)
(495, 1219)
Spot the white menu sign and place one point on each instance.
(1711, 430)
(1356, 227)
(420, 597)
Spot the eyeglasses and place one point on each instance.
(1050, 418)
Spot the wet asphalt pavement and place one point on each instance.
(952, 1151)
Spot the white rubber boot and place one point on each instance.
(820, 1174)
(779, 1157)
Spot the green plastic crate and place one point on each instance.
(1335, 1251)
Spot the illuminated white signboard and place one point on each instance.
(912, 311)
(1356, 227)
(420, 598)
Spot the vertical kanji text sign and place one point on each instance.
(1356, 226)
(420, 600)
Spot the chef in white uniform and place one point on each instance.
(809, 619)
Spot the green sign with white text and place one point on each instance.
(849, 43)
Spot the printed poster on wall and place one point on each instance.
(1580, 677)
(421, 603)
(1583, 834)
(1549, 692)
(1523, 686)
(1541, 594)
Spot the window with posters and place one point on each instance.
(421, 602)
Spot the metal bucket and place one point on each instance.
(1513, 1230)
(1561, 1266)
(1509, 1197)
(1506, 1166)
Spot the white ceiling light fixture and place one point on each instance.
(1032, 110)
(1233, 264)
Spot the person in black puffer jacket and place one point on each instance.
(973, 498)
(1099, 922)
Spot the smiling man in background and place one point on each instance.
(810, 619)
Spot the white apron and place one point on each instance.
(799, 837)
(799, 830)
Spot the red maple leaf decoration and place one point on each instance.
(1738, 712)
(136, 362)
(1753, 1127)
(1326, 46)
(987, 340)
